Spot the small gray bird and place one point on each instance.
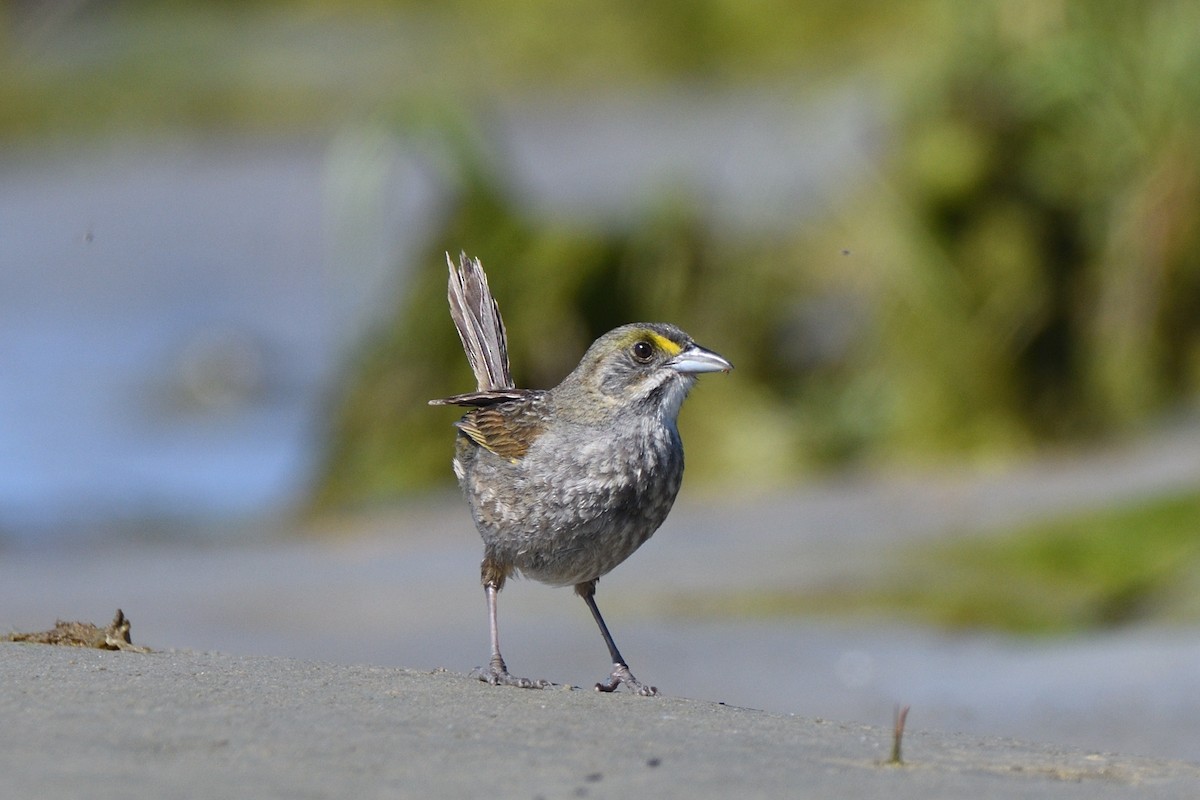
(564, 484)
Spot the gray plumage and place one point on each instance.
(593, 487)
(564, 484)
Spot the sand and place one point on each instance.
(98, 724)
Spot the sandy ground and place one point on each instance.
(188, 724)
(414, 602)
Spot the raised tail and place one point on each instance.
(480, 327)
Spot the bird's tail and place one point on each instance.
(480, 327)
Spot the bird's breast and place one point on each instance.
(579, 502)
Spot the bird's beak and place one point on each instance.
(695, 359)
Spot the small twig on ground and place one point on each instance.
(899, 717)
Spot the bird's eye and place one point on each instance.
(643, 351)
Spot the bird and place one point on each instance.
(566, 483)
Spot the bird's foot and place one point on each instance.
(497, 674)
(621, 674)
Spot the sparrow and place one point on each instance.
(566, 483)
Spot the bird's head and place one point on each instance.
(644, 367)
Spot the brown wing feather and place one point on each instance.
(507, 430)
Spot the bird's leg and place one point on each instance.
(496, 673)
(620, 673)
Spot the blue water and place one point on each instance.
(171, 321)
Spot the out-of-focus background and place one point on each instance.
(952, 248)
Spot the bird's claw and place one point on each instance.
(502, 677)
(622, 675)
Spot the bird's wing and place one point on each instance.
(480, 327)
(507, 430)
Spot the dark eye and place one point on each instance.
(643, 351)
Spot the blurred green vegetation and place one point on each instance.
(1035, 246)
(1023, 268)
(1094, 570)
(288, 67)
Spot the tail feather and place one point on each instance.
(480, 327)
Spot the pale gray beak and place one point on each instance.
(695, 359)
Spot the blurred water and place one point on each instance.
(171, 317)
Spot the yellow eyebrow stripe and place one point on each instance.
(664, 344)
